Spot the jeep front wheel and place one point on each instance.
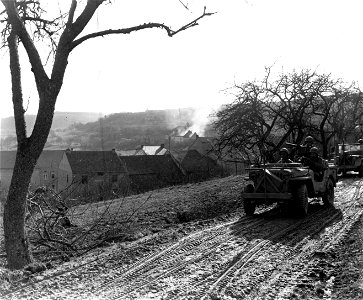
(301, 200)
(248, 205)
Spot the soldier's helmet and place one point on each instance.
(314, 150)
(309, 139)
(284, 150)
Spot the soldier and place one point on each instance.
(284, 156)
(315, 163)
(307, 146)
(304, 149)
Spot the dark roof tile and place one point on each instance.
(95, 161)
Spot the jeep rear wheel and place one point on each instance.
(301, 200)
(248, 205)
(328, 197)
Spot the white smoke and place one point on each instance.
(201, 118)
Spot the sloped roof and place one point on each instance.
(95, 161)
(50, 158)
(126, 152)
(150, 150)
(150, 164)
(140, 152)
(204, 146)
(188, 134)
(195, 161)
(47, 159)
(179, 154)
(162, 151)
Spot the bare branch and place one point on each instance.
(19, 27)
(71, 12)
(186, 6)
(169, 31)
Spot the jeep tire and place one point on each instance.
(328, 197)
(248, 205)
(360, 171)
(300, 199)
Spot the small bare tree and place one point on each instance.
(24, 21)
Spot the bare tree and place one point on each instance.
(248, 123)
(265, 115)
(346, 116)
(23, 22)
(290, 97)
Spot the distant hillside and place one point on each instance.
(128, 129)
(61, 120)
(165, 119)
(120, 130)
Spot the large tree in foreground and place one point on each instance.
(23, 21)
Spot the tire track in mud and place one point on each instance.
(133, 269)
(177, 256)
(268, 248)
(179, 265)
(281, 285)
(292, 245)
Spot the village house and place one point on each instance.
(202, 161)
(185, 138)
(71, 172)
(96, 173)
(46, 171)
(148, 172)
(200, 167)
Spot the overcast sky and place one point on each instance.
(149, 70)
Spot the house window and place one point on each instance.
(100, 173)
(84, 179)
(53, 186)
(45, 175)
(114, 178)
(53, 175)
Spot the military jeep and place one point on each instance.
(289, 183)
(350, 158)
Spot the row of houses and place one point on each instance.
(89, 173)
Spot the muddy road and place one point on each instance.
(268, 256)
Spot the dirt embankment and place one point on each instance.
(216, 252)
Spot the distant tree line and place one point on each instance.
(268, 113)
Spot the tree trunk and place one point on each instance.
(17, 248)
(16, 241)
